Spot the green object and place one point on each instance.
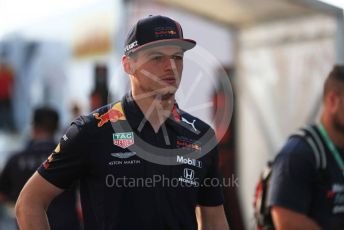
(332, 147)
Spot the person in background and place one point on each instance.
(6, 88)
(302, 195)
(62, 212)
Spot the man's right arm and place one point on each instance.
(291, 186)
(33, 202)
(63, 167)
(286, 219)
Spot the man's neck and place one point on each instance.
(336, 136)
(156, 108)
(41, 135)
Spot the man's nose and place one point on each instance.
(169, 64)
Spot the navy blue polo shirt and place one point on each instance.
(298, 185)
(20, 168)
(132, 177)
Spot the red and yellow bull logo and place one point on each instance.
(57, 149)
(169, 32)
(112, 115)
(47, 162)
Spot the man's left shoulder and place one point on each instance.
(194, 123)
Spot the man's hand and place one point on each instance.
(211, 218)
(286, 219)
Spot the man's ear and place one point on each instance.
(333, 101)
(127, 65)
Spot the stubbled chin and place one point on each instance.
(168, 91)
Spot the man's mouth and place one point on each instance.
(170, 81)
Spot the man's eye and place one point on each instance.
(177, 57)
(156, 58)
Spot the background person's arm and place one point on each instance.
(211, 218)
(291, 186)
(33, 202)
(286, 219)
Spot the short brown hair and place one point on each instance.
(335, 80)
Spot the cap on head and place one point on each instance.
(156, 31)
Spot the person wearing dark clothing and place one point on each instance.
(142, 162)
(61, 213)
(306, 188)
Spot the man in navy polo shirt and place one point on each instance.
(307, 186)
(142, 162)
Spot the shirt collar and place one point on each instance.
(135, 116)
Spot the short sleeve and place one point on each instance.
(210, 192)
(292, 176)
(68, 161)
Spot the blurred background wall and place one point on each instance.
(275, 53)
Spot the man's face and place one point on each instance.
(158, 70)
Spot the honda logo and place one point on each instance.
(189, 173)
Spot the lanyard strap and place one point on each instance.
(332, 147)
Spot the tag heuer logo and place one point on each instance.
(123, 140)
